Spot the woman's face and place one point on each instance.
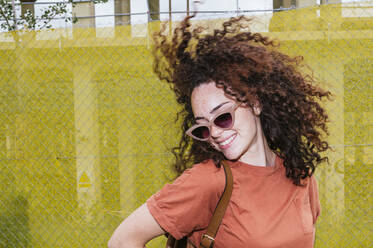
(235, 142)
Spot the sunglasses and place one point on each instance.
(223, 119)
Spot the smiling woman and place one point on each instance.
(243, 138)
(248, 104)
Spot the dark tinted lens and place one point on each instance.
(201, 132)
(223, 120)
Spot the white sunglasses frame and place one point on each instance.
(231, 110)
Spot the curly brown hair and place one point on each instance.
(248, 67)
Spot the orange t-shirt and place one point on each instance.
(265, 210)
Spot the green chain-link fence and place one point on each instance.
(86, 128)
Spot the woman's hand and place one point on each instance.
(136, 230)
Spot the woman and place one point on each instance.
(246, 103)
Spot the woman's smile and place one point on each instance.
(225, 144)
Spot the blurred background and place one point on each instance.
(86, 128)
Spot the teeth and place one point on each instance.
(227, 141)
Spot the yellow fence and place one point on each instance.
(86, 128)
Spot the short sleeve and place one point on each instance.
(314, 199)
(187, 204)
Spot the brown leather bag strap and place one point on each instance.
(207, 240)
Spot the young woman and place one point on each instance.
(249, 104)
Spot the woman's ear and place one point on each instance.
(257, 107)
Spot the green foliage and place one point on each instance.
(29, 21)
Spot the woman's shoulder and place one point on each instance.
(205, 167)
(187, 203)
(205, 175)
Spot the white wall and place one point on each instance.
(141, 6)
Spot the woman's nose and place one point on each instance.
(215, 131)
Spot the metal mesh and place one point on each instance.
(86, 128)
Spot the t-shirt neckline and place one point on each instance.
(263, 170)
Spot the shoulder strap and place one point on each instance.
(207, 240)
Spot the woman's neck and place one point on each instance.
(259, 153)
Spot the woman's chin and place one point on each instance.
(231, 156)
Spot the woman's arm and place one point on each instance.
(136, 230)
